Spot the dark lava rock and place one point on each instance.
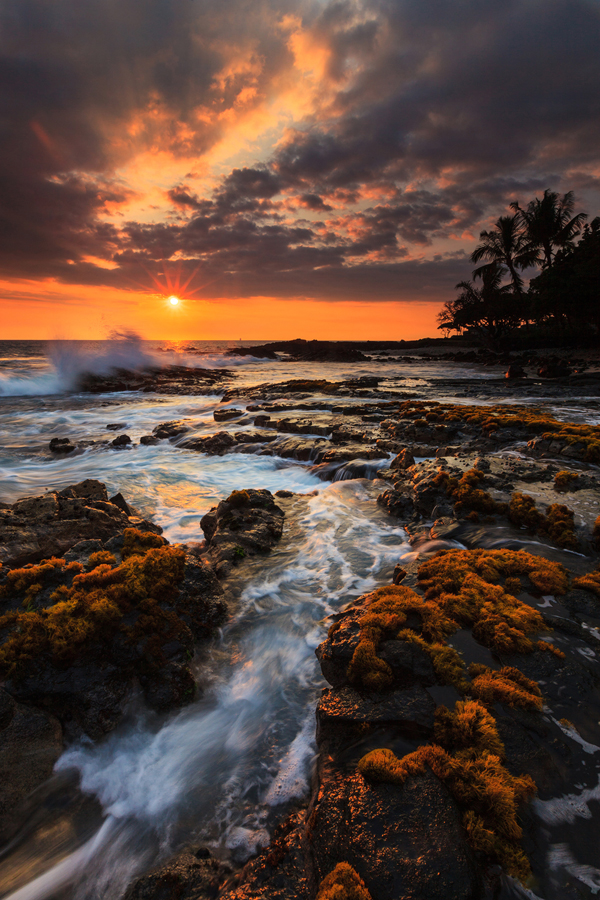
(183, 877)
(30, 743)
(554, 368)
(116, 426)
(61, 445)
(88, 693)
(404, 460)
(410, 708)
(214, 444)
(123, 440)
(299, 349)
(404, 842)
(40, 527)
(397, 504)
(154, 379)
(169, 430)
(515, 371)
(223, 415)
(246, 523)
(149, 440)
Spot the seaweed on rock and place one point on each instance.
(343, 883)
(477, 780)
(94, 607)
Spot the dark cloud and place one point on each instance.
(434, 114)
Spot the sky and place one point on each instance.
(316, 169)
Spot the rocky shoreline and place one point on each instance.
(456, 695)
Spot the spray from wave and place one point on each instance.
(68, 361)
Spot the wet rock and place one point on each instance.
(61, 445)
(310, 351)
(183, 877)
(30, 743)
(119, 500)
(554, 368)
(262, 421)
(40, 527)
(155, 379)
(515, 371)
(403, 841)
(88, 693)
(224, 415)
(168, 430)
(444, 528)
(116, 426)
(399, 505)
(149, 439)
(290, 426)
(123, 440)
(410, 708)
(280, 872)
(246, 523)
(404, 460)
(214, 444)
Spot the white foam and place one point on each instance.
(567, 808)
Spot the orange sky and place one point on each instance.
(90, 313)
(294, 168)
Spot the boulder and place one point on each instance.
(186, 876)
(61, 445)
(246, 523)
(40, 527)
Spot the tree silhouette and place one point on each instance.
(507, 246)
(568, 291)
(490, 311)
(549, 223)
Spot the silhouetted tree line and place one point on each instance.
(564, 299)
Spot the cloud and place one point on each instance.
(390, 128)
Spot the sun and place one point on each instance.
(173, 300)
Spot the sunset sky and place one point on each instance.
(286, 168)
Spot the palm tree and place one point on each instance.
(507, 246)
(549, 223)
(490, 311)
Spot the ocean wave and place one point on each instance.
(69, 361)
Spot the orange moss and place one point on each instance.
(559, 525)
(102, 557)
(468, 726)
(138, 542)
(563, 481)
(522, 512)
(467, 494)
(459, 591)
(18, 580)
(449, 568)
(92, 608)
(480, 784)
(506, 685)
(589, 582)
(529, 421)
(387, 613)
(343, 884)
